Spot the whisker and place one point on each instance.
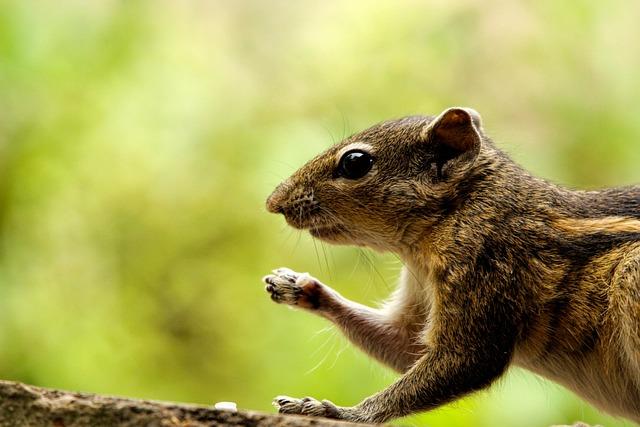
(338, 354)
(299, 233)
(326, 261)
(345, 125)
(413, 274)
(326, 356)
(315, 248)
(373, 267)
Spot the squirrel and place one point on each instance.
(500, 268)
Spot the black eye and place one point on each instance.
(354, 164)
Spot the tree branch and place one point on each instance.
(22, 405)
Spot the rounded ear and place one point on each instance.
(457, 128)
(453, 138)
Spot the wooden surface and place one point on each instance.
(25, 405)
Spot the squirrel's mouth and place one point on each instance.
(326, 231)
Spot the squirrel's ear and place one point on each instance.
(454, 134)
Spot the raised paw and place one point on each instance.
(300, 289)
(307, 406)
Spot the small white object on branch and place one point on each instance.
(226, 406)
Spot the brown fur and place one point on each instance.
(612, 224)
(500, 268)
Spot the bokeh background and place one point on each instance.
(139, 140)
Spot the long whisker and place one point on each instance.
(315, 249)
(330, 339)
(326, 260)
(375, 270)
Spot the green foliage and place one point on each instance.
(139, 139)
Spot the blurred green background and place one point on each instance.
(139, 140)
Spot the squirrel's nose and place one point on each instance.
(275, 202)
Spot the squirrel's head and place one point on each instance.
(381, 187)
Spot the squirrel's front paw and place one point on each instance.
(307, 406)
(288, 287)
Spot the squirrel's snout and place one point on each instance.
(295, 202)
(273, 205)
(275, 202)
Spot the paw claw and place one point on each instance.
(306, 406)
(281, 400)
(282, 271)
(288, 405)
(288, 287)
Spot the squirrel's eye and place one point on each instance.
(354, 164)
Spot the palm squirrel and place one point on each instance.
(500, 268)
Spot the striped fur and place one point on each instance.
(501, 268)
